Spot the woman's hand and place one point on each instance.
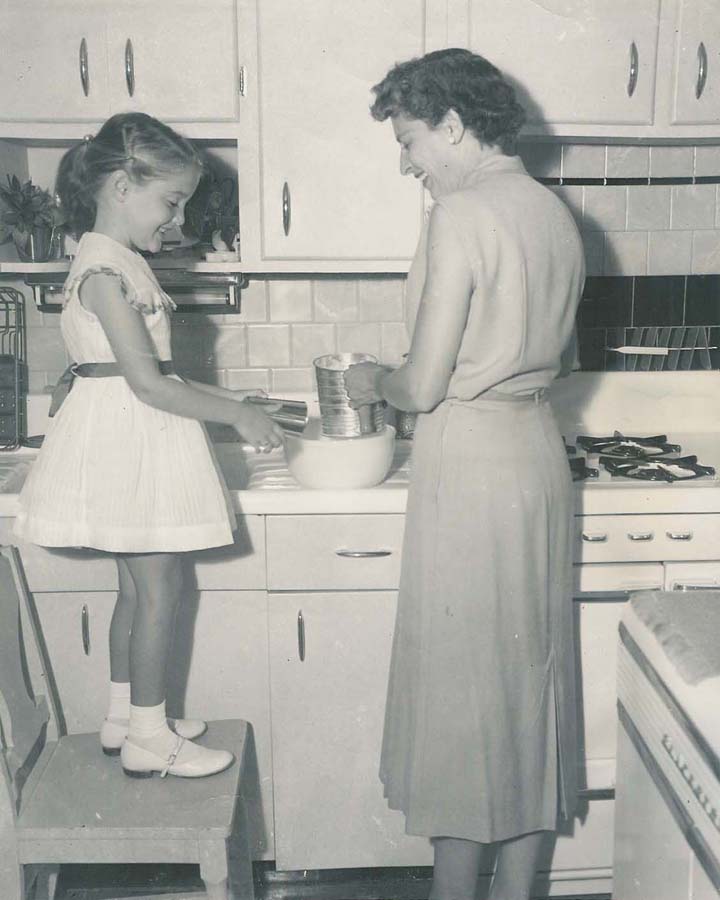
(362, 382)
(257, 428)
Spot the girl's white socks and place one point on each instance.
(149, 729)
(119, 706)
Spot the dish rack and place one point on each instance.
(13, 351)
(654, 348)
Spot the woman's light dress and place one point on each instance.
(114, 473)
(480, 726)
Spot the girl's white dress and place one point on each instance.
(114, 473)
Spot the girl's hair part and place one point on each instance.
(136, 143)
(427, 87)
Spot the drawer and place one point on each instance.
(239, 566)
(646, 538)
(334, 552)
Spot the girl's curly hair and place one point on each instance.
(428, 86)
(140, 145)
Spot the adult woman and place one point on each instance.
(479, 742)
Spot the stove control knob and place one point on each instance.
(594, 537)
(680, 535)
(640, 535)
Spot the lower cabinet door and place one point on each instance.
(329, 657)
(75, 627)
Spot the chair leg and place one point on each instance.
(241, 871)
(214, 869)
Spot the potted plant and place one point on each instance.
(30, 218)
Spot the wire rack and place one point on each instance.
(13, 350)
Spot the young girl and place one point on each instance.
(126, 466)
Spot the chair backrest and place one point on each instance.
(27, 720)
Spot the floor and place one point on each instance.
(183, 883)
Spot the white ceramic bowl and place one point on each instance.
(318, 461)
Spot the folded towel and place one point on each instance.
(687, 626)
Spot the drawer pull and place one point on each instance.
(633, 76)
(640, 535)
(301, 636)
(363, 554)
(680, 535)
(84, 71)
(594, 537)
(85, 629)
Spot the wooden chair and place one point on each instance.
(63, 801)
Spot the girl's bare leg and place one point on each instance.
(516, 866)
(456, 866)
(158, 582)
(121, 624)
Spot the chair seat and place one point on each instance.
(82, 793)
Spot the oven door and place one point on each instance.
(692, 576)
(600, 592)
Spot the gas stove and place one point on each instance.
(645, 458)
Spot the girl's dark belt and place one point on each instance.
(93, 370)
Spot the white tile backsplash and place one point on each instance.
(624, 251)
(669, 252)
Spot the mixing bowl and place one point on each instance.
(318, 461)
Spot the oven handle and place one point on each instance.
(695, 586)
(616, 593)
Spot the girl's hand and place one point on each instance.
(257, 428)
(362, 382)
(241, 395)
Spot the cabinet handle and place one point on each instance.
(85, 629)
(84, 70)
(286, 209)
(241, 81)
(702, 70)
(680, 535)
(640, 535)
(129, 68)
(598, 537)
(301, 636)
(634, 59)
(363, 554)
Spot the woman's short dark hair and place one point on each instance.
(140, 145)
(428, 86)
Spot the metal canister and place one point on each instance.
(291, 415)
(339, 419)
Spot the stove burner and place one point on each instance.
(658, 468)
(620, 446)
(580, 471)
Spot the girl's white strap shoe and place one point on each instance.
(186, 760)
(114, 731)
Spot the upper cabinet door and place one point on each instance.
(573, 61)
(175, 59)
(53, 64)
(697, 63)
(330, 180)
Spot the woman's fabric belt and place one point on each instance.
(93, 370)
(537, 397)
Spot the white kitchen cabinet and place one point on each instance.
(580, 69)
(65, 60)
(329, 657)
(604, 69)
(75, 627)
(330, 196)
(696, 70)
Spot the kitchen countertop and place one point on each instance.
(260, 484)
(684, 405)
